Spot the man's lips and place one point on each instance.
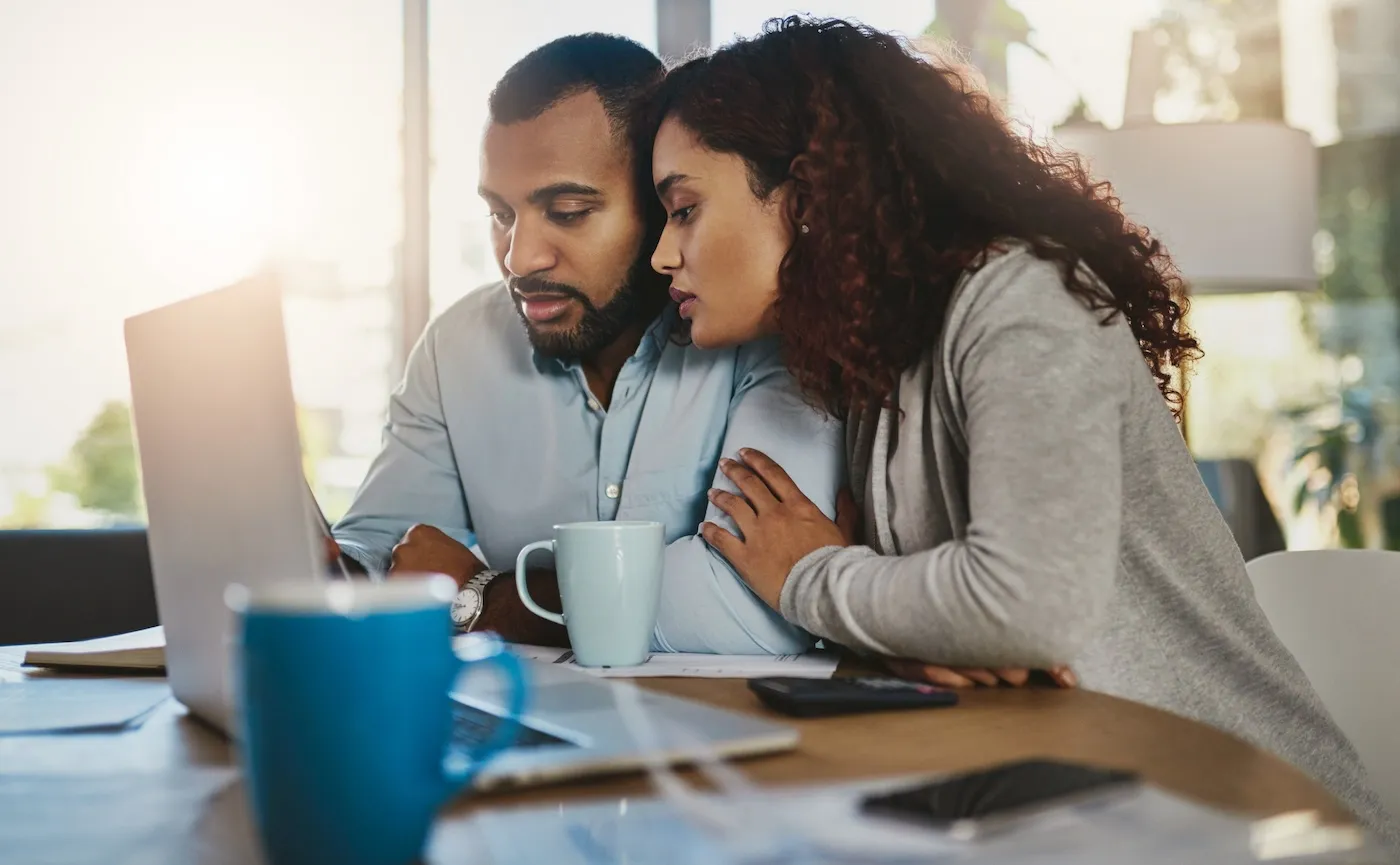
(685, 299)
(542, 308)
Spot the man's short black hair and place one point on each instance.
(617, 69)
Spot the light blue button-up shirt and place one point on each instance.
(495, 444)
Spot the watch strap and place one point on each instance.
(478, 584)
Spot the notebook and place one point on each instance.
(138, 650)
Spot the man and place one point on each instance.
(595, 409)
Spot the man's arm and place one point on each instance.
(705, 606)
(426, 549)
(414, 479)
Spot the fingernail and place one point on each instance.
(1068, 677)
(727, 462)
(711, 494)
(743, 452)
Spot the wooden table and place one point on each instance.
(989, 726)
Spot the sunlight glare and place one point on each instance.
(214, 196)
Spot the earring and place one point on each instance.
(805, 229)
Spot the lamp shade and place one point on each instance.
(1235, 204)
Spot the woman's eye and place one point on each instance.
(682, 214)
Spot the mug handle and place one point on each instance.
(488, 649)
(524, 590)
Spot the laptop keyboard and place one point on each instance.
(472, 726)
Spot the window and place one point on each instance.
(170, 147)
(159, 148)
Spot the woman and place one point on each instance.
(1005, 346)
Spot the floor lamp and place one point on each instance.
(1235, 204)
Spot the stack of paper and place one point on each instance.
(825, 825)
(139, 650)
(813, 665)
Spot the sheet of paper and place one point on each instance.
(824, 825)
(49, 705)
(149, 638)
(143, 649)
(813, 665)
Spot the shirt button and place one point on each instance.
(613, 491)
(594, 405)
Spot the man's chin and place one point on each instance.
(554, 340)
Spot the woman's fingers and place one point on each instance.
(980, 676)
(1064, 677)
(737, 507)
(773, 475)
(759, 496)
(917, 671)
(1013, 677)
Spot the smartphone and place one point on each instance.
(813, 698)
(974, 804)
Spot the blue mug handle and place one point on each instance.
(488, 649)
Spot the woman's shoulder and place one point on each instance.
(1014, 289)
(1016, 309)
(1014, 284)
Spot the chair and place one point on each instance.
(1336, 612)
(1235, 487)
(74, 585)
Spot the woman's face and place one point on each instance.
(722, 245)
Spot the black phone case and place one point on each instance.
(1001, 792)
(813, 698)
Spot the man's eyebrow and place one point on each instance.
(670, 180)
(486, 193)
(546, 194)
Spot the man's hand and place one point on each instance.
(965, 677)
(428, 550)
(332, 552)
(504, 612)
(780, 525)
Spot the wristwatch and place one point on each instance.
(471, 601)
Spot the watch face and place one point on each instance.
(465, 608)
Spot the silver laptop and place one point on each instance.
(221, 466)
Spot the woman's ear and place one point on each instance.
(798, 189)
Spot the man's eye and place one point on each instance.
(680, 215)
(566, 217)
(502, 218)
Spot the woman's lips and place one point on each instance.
(685, 299)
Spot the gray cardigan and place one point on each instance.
(1031, 503)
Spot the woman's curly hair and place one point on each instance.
(906, 176)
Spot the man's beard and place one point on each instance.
(640, 297)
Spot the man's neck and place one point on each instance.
(601, 369)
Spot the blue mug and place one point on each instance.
(345, 718)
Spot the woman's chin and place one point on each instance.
(708, 337)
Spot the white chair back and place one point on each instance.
(1338, 612)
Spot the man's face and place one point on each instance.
(566, 226)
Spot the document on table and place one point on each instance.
(138, 650)
(825, 825)
(43, 705)
(812, 665)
